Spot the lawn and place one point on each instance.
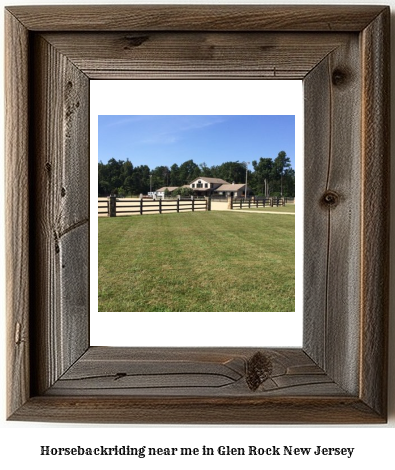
(286, 208)
(197, 262)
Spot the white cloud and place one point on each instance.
(174, 128)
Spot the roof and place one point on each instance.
(210, 180)
(230, 187)
(169, 188)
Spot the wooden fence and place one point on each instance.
(103, 207)
(241, 203)
(113, 207)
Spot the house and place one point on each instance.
(161, 191)
(203, 186)
(235, 190)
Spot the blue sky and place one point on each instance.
(212, 139)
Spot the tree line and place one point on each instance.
(269, 177)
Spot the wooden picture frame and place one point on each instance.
(340, 374)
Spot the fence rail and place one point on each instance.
(241, 203)
(103, 207)
(113, 206)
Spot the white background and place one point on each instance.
(20, 442)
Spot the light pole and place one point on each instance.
(281, 184)
(150, 183)
(246, 164)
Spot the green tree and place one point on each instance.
(126, 178)
(188, 172)
(263, 175)
(289, 183)
(114, 174)
(141, 179)
(205, 170)
(280, 165)
(160, 177)
(104, 183)
(231, 172)
(183, 192)
(175, 175)
(269, 177)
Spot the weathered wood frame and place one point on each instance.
(342, 54)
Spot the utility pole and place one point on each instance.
(246, 164)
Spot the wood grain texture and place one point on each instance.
(339, 376)
(198, 410)
(60, 245)
(196, 17)
(194, 372)
(376, 211)
(333, 170)
(17, 213)
(179, 55)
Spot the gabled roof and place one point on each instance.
(210, 180)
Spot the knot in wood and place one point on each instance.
(330, 199)
(259, 369)
(135, 41)
(339, 77)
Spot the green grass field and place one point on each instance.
(197, 262)
(287, 208)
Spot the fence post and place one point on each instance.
(230, 202)
(141, 205)
(208, 203)
(178, 203)
(193, 204)
(112, 206)
(160, 206)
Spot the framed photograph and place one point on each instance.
(194, 276)
(339, 375)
